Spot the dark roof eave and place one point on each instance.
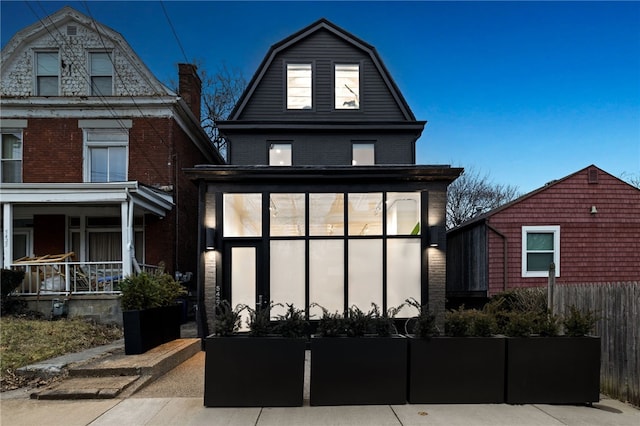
(322, 125)
(388, 173)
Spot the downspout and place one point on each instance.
(505, 262)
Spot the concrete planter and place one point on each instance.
(247, 371)
(358, 370)
(456, 370)
(553, 370)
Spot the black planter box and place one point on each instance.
(247, 371)
(147, 328)
(358, 370)
(553, 370)
(456, 370)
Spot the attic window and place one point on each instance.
(299, 86)
(72, 30)
(347, 86)
(593, 175)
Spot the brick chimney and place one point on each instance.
(190, 87)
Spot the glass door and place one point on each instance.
(244, 283)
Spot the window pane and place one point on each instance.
(347, 90)
(299, 86)
(117, 164)
(11, 171)
(286, 215)
(48, 86)
(287, 274)
(243, 280)
(403, 213)
(105, 246)
(47, 63)
(326, 214)
(326, 275)
(539, 261)
(11, 146)
(101, 86)
(101, 64)
(363, 154)
(99, 164)
(365, 214)
(403, 273)
(539, 241)
(242, 215)
(280, 154)
(365, 273)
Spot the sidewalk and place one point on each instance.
(176, 398)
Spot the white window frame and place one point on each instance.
(544, 229)
(343, 96)
(37, 75)
(4, 161)
(92, 73)
(89, 145)
(290, 104)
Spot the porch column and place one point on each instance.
(7, 234)
(126, 237)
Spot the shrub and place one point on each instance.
(259, 321)
(144, 290)
(330, 324)
(547, 325)
(227, 319)
(519, 324)
(292, 324)
(458, 322)
(578, 323)
(383, 324)
(482, 324)
(424, 325)
(9, 281)
(357, 322)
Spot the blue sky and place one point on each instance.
(527, 92)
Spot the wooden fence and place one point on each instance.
(618, 307)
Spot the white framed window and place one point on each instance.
(347, 86)
(106, 155)
(540, 248)
(280, 154)
(101, 70)
(299, 86)
(11, 158)
(363, 154)
(47, 73)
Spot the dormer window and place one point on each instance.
(101, 70)
(47, 72)
(299, 83)
(347, 86)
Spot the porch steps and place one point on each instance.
(120, 375)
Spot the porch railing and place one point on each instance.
(69, 277)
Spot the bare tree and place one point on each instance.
(473, 194)
(631, 178)
(221, 91)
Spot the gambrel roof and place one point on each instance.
(321, 24)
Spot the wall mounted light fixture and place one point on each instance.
(210, 239)
(435, 233)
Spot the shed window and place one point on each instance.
(299, 84)
(540, 248)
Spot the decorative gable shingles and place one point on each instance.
(600, 247)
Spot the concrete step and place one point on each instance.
(119, 374)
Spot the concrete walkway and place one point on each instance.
(176, 398)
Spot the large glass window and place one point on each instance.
(365, 213)
(403, 213)
(101, 70)
(540, 248)
(287, 274)
(326, 214)
(299, 86)
(326, 275)
(403, 273)
(287, 215)
(365, 273)
(242, 215)
(11, 159)
(47, 71)
(280, 154)
(347, 86)
(363, 154)
(106, 155)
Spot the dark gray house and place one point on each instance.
(322, 201)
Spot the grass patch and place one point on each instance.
(26, 341)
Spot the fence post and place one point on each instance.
(551, 288)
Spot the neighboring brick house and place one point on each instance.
(587, 224)
(93, 148)
(322, 201)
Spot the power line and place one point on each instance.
(174, 32)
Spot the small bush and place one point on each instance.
(482, 324)
(458, 323)
(547, 325)
(578, 323)
(519, 324)
(424, 325)
(384, 325)
(144, 290)
(292, 324)
(357, 322)
(226, 320)
(330, 324)
(259, 321)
